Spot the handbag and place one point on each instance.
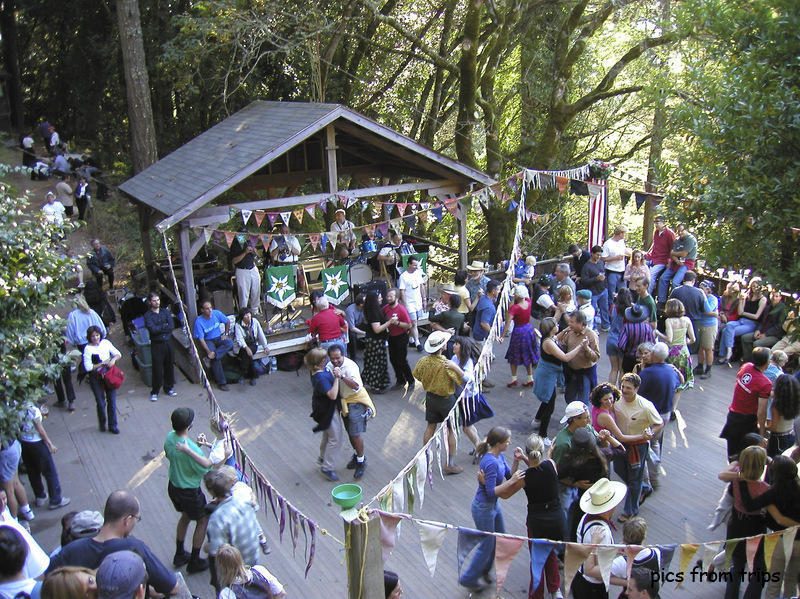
(480, 410)
(113, 377)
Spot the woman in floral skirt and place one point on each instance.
(523, 349)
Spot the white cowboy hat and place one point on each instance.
(603, 496)
(477, 265)
(436, 340)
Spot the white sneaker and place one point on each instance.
(154, 398)
(41, 501)
(26, 515)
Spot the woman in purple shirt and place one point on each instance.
(485, 511)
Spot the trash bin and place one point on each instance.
(145, 369)
(141, 340)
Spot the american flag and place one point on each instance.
(598, 213)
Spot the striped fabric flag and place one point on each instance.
(598, 214)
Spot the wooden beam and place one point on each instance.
(303, 200)
(190, 299)
(397, 150)
(330, 155)
(197, 245)
(262, 182)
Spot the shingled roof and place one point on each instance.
(216, 160)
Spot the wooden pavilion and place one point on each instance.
(284, 154)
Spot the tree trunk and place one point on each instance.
(468, 86)
(140, 110)
(8, 30)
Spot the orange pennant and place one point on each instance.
(259, 216)
(562, 183)
(298, 214)
(265, 241)
(229, 237)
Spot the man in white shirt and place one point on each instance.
(345, 237)
(412, 293)
(357, 407)
(284, 248)
(614, 253)
(583, 299)
(53, 209)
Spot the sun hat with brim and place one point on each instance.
(637, 313)
(340, 210)
(86, 524)
(436, 341)
(447, 288)
(603, 496)
(476, 265)
(585, 294)
(574, 408)
(120, 575)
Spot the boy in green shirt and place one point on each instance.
(187, 465)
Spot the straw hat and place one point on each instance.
(603, 496)
(436, 341)
(447, 288)
(476, 265)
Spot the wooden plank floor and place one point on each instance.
(273, 424)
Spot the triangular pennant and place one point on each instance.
(314, 239)
(437, 212)
(751, 547)
(505, 550)
(594, 189)
(546, 180)
(788, 544)
(540, 551)
(398, 495)
(229, 237)
(431, 539)
(410, 221)
(545, 218)
(385, 500)
(641, 198)
(370, 230)
(364, 205)
(578, 188)
(323, 240)
(422, 475)
(468, 539)
(729, 547)
(625, 196)
(246, 215)
(770, 541)
(411, 494)
(389, 524)
(298, 214)
(350, 201)
(667, 551)
(452, 206)
(562, 183)
(630, 552)
(710, 550)
(271, 217)
(605, 556)
(285, 216)
(444, 444)
(382, 228)
(265, 240)
(207, 233)
(401, 208)
(253, 240)
(574, 555)
(310, 210)
(512, 183)
(687, 553)
(323, 205)
(231, 212)
(259, 216)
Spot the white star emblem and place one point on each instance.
(280, 287)
(332, 283)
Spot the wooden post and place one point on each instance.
(364, 552)
(330, 152)
(462, 236)
(189, 296)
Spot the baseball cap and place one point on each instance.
(86, 524)
(585, 294)
(707, 284)
(119, 575)
(574, 408)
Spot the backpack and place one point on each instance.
(256, 588)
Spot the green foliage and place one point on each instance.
(737, 174)
(33, 278)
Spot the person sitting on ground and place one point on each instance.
(60, 165)
(121, 514)
(238, 580)
(212, 341)
(13, 554)
(248, 340)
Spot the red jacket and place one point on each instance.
(662, 246)
(327, 324)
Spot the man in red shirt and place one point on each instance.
(398, 339)
(660, 252)
(328, 326)
(748, 410)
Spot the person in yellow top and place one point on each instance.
(357, 406)
(439, 376)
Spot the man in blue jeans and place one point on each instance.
(637, 417)
(593, 278)
(683, 256)
(208, 330)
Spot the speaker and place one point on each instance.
(376, 285)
